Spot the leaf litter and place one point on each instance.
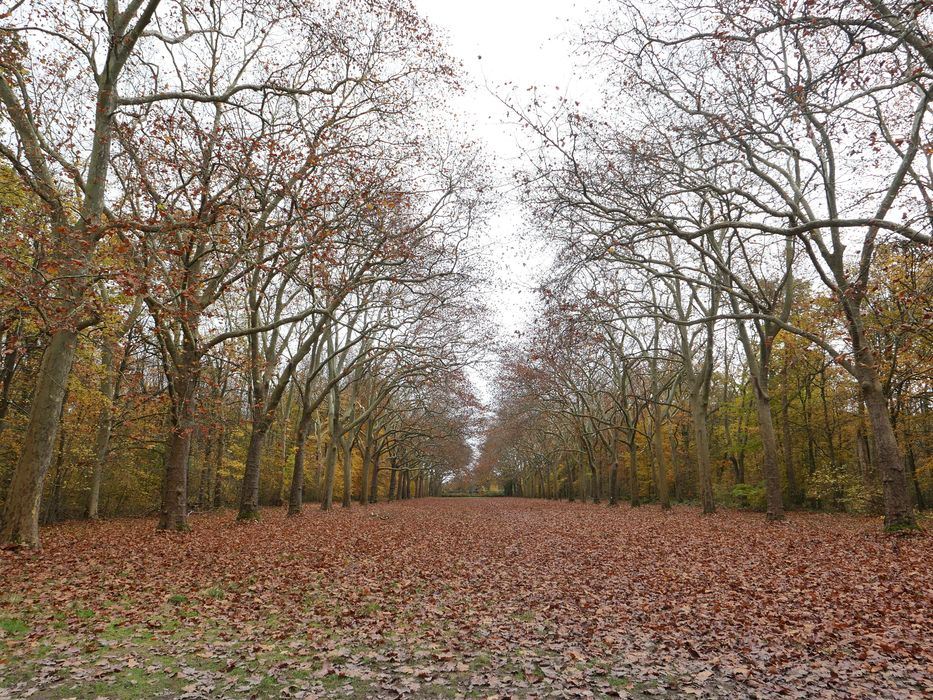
(491, 598)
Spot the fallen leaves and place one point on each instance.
(480, 597)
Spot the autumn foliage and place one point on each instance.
(491, 597)
(240, 274)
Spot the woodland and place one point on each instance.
(262, 435)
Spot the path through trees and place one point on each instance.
(466, 597)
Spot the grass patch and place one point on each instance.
(84, 613)
(480, 661)
(618, 682)
(332, 681)
(163, 623)
(13, 627)
(118, 631)
(904, 529)
(129, 684)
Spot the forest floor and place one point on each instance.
(491, 598)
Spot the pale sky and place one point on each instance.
(521, 43)
(507, 45)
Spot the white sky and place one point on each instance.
(521, 43)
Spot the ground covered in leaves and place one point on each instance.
(470, 598)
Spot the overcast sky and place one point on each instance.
(522, 43)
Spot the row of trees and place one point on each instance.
(220, 214)
(743, 232)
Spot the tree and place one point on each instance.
(93, 52)
(743, 131)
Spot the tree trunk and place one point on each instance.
(296, 494)
(347, 471)
(613, 481)
(634, 488)
(214, 493)
(54, 506)
(174, 512)
(318, 463)
(20, 525)
(204, 481)
(676, 465)
(769, 453)
(330, 472)
(364, 470)
(249, 493)
(330, 468)
(104, 426)
(280, 471)
(657, 444)
(793, 493)
(912, 467)
(374, 485)
(207, 476)
(393, 480)
(808, 427)
(331, 459)
(698, 411)
(898, 510)
(863, 452)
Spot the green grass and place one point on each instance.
(117, 631)
(903, 529)
(164, 623)
(332, 681)
(13, 627)
(84, 613)
(618, 682)
(128, 684)
(480, 661)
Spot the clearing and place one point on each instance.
(470, 598)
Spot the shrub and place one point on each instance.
(749, 497)
(839, 489)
